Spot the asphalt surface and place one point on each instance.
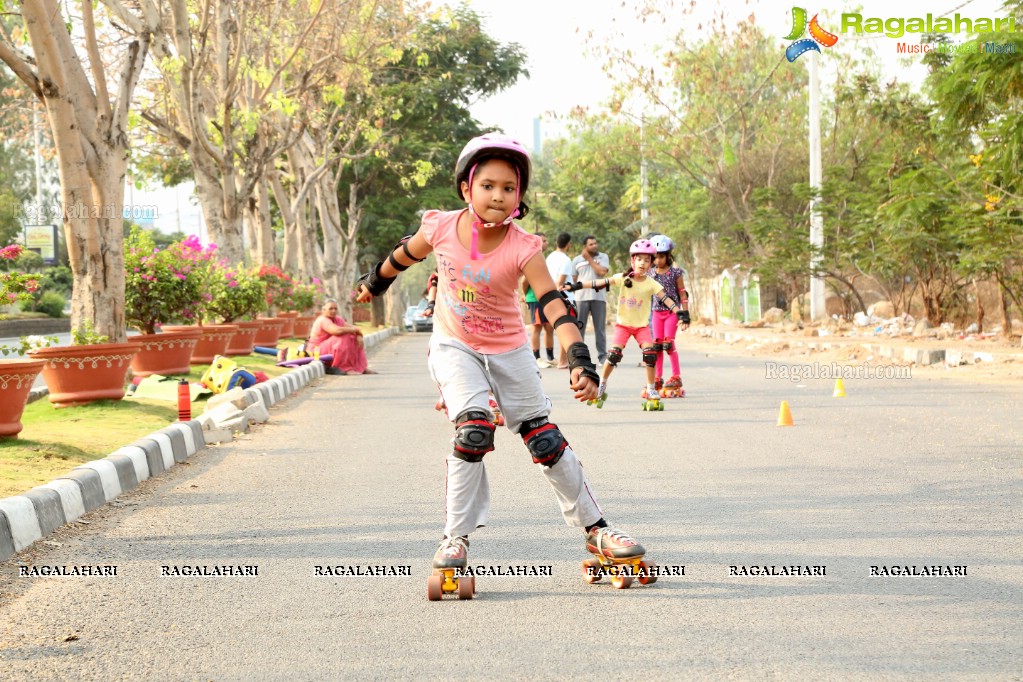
(349, 473)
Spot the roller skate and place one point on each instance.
(617, 555)
(673, 388)
(601, 396)
(496, 409)
(450, 559)
(652, 401)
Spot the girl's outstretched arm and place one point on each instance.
(595, 284)
(406, 253)
(682, 315)
(583, 379)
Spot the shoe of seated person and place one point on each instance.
(334, 371)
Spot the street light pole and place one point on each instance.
(817, 306)
(644, 211)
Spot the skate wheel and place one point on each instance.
(621, 582)
(647, 575)
(466, 587)
(434, 591)
(591, 572)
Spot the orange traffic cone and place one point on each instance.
(784, 414)
(839, 389)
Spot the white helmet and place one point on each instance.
(662, 243)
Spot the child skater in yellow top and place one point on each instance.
(634, 300)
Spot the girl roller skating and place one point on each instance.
(663, 322)
(479, 346)
(636, 290)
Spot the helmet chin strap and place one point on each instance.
(474, 253)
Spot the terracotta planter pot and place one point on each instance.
(288, 328)
(244, 339)
(16, 378)
(213, 340)
(165, 354)
(302, 326)
(77, 375)
(269, 333)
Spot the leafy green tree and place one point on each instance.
(449, 63)
(977, 95)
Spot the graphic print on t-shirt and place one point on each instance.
(469, 297)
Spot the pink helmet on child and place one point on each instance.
(642, 246)
(493, 146)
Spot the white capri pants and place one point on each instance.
(466, 377)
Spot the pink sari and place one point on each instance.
(348, 355)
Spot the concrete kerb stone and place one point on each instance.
(107, 475)
(7, 547)
(92, 487)
(48, 508)
(139, 459)
(70, 497)
(22, 522)
(164, 450)
(29, 517)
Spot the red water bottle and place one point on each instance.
(184, 401)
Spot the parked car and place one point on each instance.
(414, 319)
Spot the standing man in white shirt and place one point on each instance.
(588, 265)
(559, 264)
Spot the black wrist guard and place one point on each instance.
(575, 286)
(431, 305)
(579, 356)
(683, 316)
(374, 282)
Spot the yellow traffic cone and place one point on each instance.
(784, 414)
(839, 389)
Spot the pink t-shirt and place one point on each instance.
(477, 300)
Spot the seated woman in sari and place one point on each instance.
(332, 335)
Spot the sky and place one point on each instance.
(564, 73)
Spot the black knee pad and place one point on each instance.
(650, 357)
(668, 345)
(474, 436)
(544, 440)
(614, 356)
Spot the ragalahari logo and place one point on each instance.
(817, 35)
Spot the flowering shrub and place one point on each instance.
(15, 286)
(158, 283)
(203, 269)
(236, 294)
(306, 297)
(279, 287)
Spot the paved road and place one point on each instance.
(900, 473)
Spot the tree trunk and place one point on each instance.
(979, 306)
(89, 128)
(1003, 299)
